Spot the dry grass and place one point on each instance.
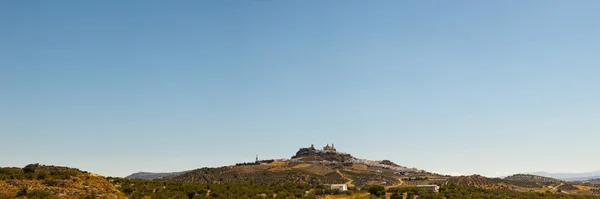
(355, 196)
(278, 164)
(250, 169)
(83, 184)
(313, 169)
(303, 165)
(279, 169)
(359, 167)
(581, 187)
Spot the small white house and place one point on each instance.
(433, 188)
(341, 187)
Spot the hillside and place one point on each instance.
(477, 181)
(569, 176)
(329, 166)
(293, 171)
(532, 181)
(43, 181)
(591, 182)
(308, 165)
(309, 170)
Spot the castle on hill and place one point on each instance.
(312, 150)
(325, 148)
(329, 148)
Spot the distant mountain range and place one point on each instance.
(569, 176)
(151, 176)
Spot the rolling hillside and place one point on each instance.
(569, 176)
(41, 181)
(309, 169)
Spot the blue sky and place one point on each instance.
(114, 87)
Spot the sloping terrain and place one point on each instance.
(40, 181)
(261, 174)
(477, 181)
(591, 182)
(312, 167)
(569, 176)
(309, 168)
(532, 181)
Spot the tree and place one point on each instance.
(30, 168)
(397, 195)
(376, 190)
(191, 194)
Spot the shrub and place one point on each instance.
(38, 194)
(22, 192)
(42, 175)
(52, 182)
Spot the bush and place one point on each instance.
(42, 175)
(38, 194)
(52, 182)
(397, 195)
(22, 192)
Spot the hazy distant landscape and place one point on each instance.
(570, 176)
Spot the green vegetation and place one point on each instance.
(136, 189)
(38, 194)
(454, 191)
(40, 182)
(33, 194)
(39, 172)
(255, 163)
(376, 190)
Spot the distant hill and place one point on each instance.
(569, 176)
(476, 181)
(151, 176)
(532, 181)
(582, 178)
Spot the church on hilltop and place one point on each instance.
(312, 150)
(325, 148)
(328, 153)
(329, 148)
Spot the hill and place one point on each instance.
(151, 176)
(532, 181)
(329, 166)
(477, 181)
(42, 181)
(569, 176)
(308, 165)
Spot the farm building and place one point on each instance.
(433, 188)
(341, 187)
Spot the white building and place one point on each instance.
(433, 188)
(341, 187)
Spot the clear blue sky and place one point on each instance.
(116, 87)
